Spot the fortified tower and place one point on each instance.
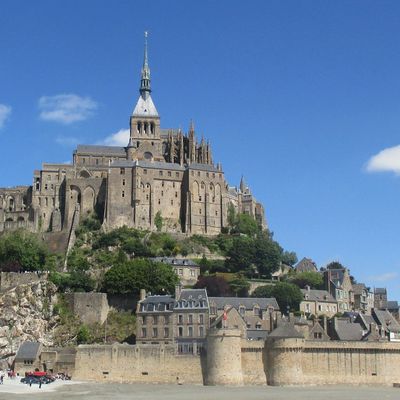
(224, 358)
(284, 356)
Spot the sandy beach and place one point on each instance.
(13, 389)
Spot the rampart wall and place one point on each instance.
(9, 280)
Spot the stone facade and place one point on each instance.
(318, 303)
(160, 172)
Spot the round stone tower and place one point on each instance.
(284, 356)
(224, 363)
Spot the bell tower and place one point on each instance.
(145, 141)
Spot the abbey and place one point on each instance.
(160, 173)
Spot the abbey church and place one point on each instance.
(160, 172)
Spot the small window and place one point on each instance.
(155, 332)
(180, 331)
(122, 171)
(201, 331)
(201, 318)
(144, 332)
(180, 319)
(190, 319)
(97, 161)
(159, 201)
(176, 194)
(199, 210)
(198, 173)
(166, 319)
(190, 331)
(45, 186)
(169, 173)
(162, 183)
(147, 196)
(123, 194)
(177, 174)
(166, 332)
(162, 192)
(123, 182)
(155, 320)
(145, 171)
(160, 173)
(172, 202)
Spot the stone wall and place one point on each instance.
(142, 364)
(90, 307)
(300, 362)
(280, 362)
(9, 280)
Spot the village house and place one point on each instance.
(318, 302)
(338, 284)
(187, 270)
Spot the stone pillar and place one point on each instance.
(224, 357)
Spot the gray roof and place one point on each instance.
(145, 108)
(286, 330)
(318, 295)
(392, 305)
(94, 149)
(28, 351)
(386, 320)
(248, 302)
(147, 164)
(204, 167)
(306, 265)
(176, 261)
(256, 334)
(157, 303)
(192, 299)
(347, 330)
(380, 291)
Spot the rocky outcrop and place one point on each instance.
(26, 313)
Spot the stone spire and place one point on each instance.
(243, 185)
(145, 88)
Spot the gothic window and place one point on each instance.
(139, 127)
(47, 201)
(152, 128)
(137, 144)
(202, 185)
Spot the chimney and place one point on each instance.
(308, 288)
(178, 290)
(142, 294)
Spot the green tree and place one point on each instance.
(231, 215)
(267, 254)
(246, 224)
(307, 278)
(158, 221)
(335, 265)
(240, 256)
(287, 295)
(289, 258)
(131, 276)
(239, 286)
(21, 250)
(83, 335)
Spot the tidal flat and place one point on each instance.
(113, 391)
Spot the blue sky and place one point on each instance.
(301, 97)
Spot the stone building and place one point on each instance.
(187, 270)
(380, 300)
(363, 298)
(160, 172)
(318, 302)
(338, 284)
(183, 320)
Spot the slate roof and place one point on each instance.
(248, 302)
(318, 295)
(28, 351)
(94, 149)
(350, 331)
(286, 330)
(145, 108)
(185, 262)
(204, 167)
(392, 305)
(192, 299)
(147, 164)
(386, 320)
(306, 265)
(256, 334)
(157, 303)
(380, 291)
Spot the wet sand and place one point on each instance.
(108, 391)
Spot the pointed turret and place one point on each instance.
(243, 185)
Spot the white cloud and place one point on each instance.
(386, 160)
(120, 138)
(67, 140)
(5, 112)
(387, 276)
(66, 108)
